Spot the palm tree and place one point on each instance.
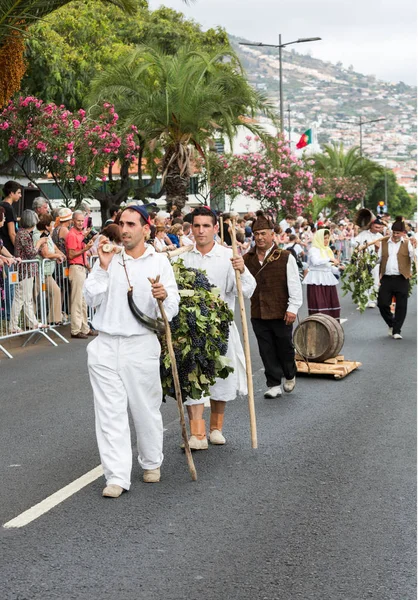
(15, 18)
(335, 162)
(181, 102)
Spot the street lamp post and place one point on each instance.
(280, 46)
(360, 124)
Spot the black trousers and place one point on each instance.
(276, 348)
(397, 286)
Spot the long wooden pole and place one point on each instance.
(366, 245)
(248, 367)
(221, 226)
(177, 388)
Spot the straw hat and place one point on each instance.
(65, 214)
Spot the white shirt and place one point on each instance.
(160, 245)
(220, 272)
(285, 225)
(296, 247)
(364, 237)
(294, 286)
(392, 266)
(107, 291)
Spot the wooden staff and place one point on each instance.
(221, 227)
(367, 244)
(177, 388)
(178, 251)
(253, 424)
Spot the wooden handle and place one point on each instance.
(182, 250)
(246, 339)
(366, 245)
(177, 387)
(221, 227)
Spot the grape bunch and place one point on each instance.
(200, 334)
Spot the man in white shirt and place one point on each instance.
(288, 223)
(124, 359)
(218, 263)
(370, 235)
(395, 257)
(274, 306)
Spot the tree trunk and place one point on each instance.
(176, 184)
(118, 195)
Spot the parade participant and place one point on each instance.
(76, 249)
(395, 256)
(370, 235)
(274, 305)
(124, 360)
(219, 265)
(321, 279)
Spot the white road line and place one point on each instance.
(49, 503)
(46, 505)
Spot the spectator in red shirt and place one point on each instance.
(76, 253)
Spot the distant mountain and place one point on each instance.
(322, 93)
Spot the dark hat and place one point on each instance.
(399, 224)
(262, 221)
(141, 210)
(377, 221)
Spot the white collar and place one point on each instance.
(212, 252)
(149, 250)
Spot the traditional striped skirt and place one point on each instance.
(323, 299)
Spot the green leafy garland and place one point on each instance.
(413, 280)
(357, 278)
(200, 334)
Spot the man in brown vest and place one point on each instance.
(395, 257)
(274, 305)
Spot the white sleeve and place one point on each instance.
(412, 251)
(96, 285)
(316, 259)
(294, 286)
(171, 303)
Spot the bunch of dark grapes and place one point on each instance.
(190, 329)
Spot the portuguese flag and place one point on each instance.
(305, 139)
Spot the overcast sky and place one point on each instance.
(377, 37)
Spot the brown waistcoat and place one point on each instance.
(404, 261)
(271, 295)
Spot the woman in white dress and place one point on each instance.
(321, 279)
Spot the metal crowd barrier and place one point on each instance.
(34, 301)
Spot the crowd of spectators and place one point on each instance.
(61, 235)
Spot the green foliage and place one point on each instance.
(72, 45)
(16, 15)
(398, 199)
(179, 102)
(357, 278)
(200, 336)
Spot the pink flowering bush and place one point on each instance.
(271, 174)
(74, 148)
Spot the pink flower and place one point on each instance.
(41, 146)
(76, 124)
(23, 144)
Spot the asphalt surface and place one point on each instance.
(324, 509)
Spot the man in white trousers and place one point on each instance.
(124, 359)
(218, 263)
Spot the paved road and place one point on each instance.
(323, 510)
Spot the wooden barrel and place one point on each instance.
(318, 337)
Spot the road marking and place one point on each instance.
(52, 501)
(49, 503)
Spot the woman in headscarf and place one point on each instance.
(321, 278)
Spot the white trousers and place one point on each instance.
(226, 390)
(126, 371)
